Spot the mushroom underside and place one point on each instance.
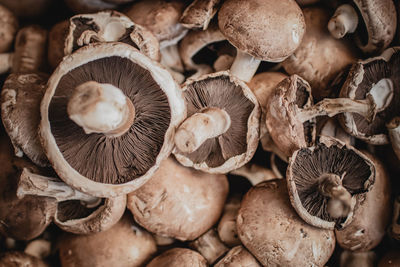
(73, 209)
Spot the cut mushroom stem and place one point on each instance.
(339, 203)
(244, 66)
(34, 184)
(6, 60)
(345, 20)
(209, 123)
(101, 108)
(394, 133)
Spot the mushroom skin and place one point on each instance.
(124, 244)
(178, 257)
(27, 8)
(179, 202)
(273, 233)
(56, 41)
(18, 258)
(238, 256)
(8, 28)
(395, 227)
(199, 14)
(89, 6)
(371, 217)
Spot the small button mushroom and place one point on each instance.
(390, 259)
(210, 246)
(179, 202)
(27, 8)
(260, 30)
(111, 99)
(222, 128)
(56, 42)
(8, 29)
(238, 256)
(178, 257)
(123, 245)
(373, 22)
(372, 216)
(328, 181)
(355, 259)
(395, 227)
(199, 14)
(273, 233)
(19, 258)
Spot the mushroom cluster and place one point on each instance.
(199, 133)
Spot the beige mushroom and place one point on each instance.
(8, 29)
(238, 256)
(210, 246)
(199, 14)
(331, 127)
(178, 257)
(227, 230)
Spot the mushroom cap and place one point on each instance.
(71, 216)
(320, 57)
(19, 259)
(27, 8)
(179, 202)
(20, 113)
(237, 145)
(362, 76)
(88, 6)
(178, 257)
(123, 245)
(327, 156)
(272, 231)
(265, 29)
(284, 104)
(238, 256)
(129, 160)
(8, 28)
(161, 17)
(56, 42)
(372, 216)
(199, 14)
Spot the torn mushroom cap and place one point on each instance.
(374, 23)
(109, 26)
(89, 6)
(379, 74)
(56, 42)
(271, 230)
(178, 257)
(124, 244)
(130, 155)
(238, 256)
(179, 202)
(20, 112)
(222, 130)
(8, 28)
(328, 181)
(320, 57)
(19, 258)
(371, 215)
(199, 14)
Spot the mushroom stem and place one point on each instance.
(227, 230)
(345, 20)
(244, 66)
(34, 184)
(170, 57)
(38, 248)
(101, 108)
(199, 127)
(223, 62)
(6, 60)
(394, 134)
(255, 173)
(339, 203)
(210, 246)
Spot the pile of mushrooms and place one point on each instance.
(200, 133)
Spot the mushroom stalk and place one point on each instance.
(394, 134)
(38, 248)
(339, 203)
(170, 57)
(210, 246)
(244, 66)
(255, 173)
(199, 127)
(34, 184)
(223, 62)
(227, 230)
(6, 60)
(345, 20)
(101, 108)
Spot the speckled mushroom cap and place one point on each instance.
(20, 112)
(306, 168)
(238, 144)
(267, 30)
(272, 231)
(8, 28)
(110, 166)
(19, 258)
(361, 78)
(238, 256)
(178, 257)
(289, 133)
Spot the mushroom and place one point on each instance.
(210, 246)
(19, 258)
(320, 57)
(273, 233)
(355, 259)
(90, 6)
(390, 259)
(221, 131)
(56, 42)
(255, 173)
(227, 230)
(373, 22)
(331, 127)
(238, 256)
(328, 182)
(111, 99)
(393, 128)
(178, 257)
(122, 245)
(8, 29)
(179, 202)
(395, 227)
(306, 2)
(27, 8)
(199, 14)
(260, 30)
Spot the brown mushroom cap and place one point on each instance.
(89, 6)
(199, 14)
(237, 145)
(371, 218)
(267, 30)
(129, 160)
(56, 42)
(179, 202)
(178, 257)
(122, 245)
(8, 28)
(19, 259)
(272, 231)
(308, 166)
(27, 8)
(238, 256)
(20, 113)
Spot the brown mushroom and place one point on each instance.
(238, 256)
(199, 14)
(8, 29)
(210, 246)
(89, 6)
(227, 230)
(179, 202)
(355, 259)
(306, 2)
(56, 42)
(222, 128)
(331, 127)
(373, 22)
(393, 128)
(178, 257)
(27, 8)
(395, 227)
(255, 173)
(110, 98)
(19, 258)
(390, 259)
(122, 245)
(271, 230)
